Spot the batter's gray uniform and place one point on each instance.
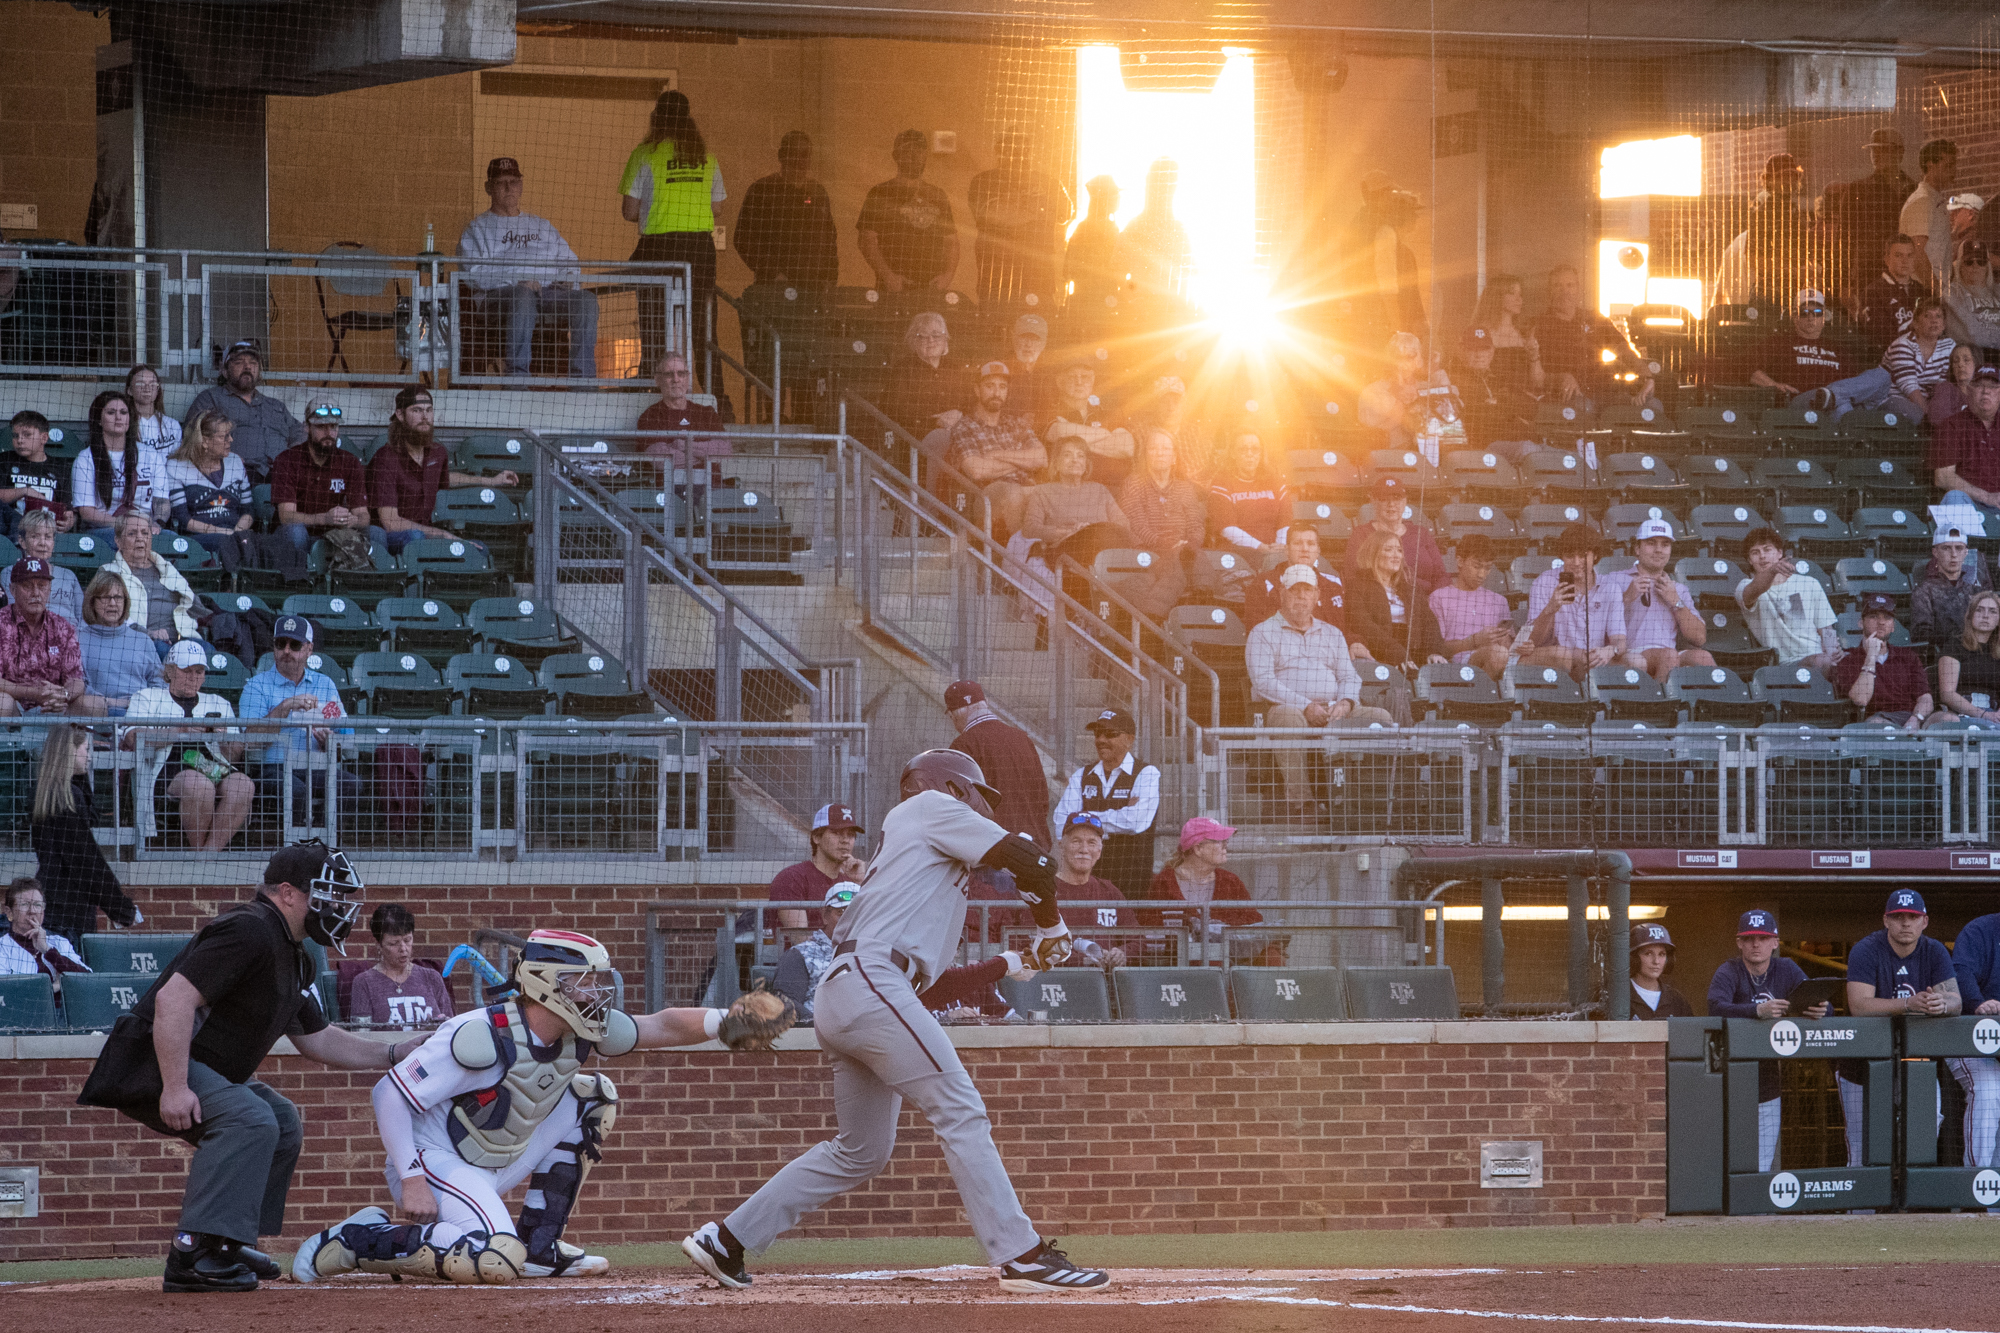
(885, 1046)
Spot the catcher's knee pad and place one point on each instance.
(477, 1257)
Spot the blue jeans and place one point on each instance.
(522, 307)
(1871, 388)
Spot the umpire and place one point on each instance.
(181, 1063)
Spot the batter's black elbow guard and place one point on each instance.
(1034, 872)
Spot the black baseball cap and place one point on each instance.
(409, 393)
(1878, 601)
(1112, 722)
(297, 866)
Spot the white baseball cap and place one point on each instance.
(186, 654)
(1297, 574)
(1810, 296)
(1965, 199)
(1949, 535)
(1654, 527)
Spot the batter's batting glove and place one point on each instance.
(1050, 949)
(1017, 966)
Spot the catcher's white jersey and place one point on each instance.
(913, 896)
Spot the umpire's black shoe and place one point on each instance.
(198, 1264)
(263, 1265)
(711, 1255)
(1048, 1271)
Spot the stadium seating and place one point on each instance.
(93, 1001)
(1170, 994)
(143, 955)
(423, 626)
(1288, 994)
(1378, 993)
(402, 685)
(1062, 995)
(27, 1003)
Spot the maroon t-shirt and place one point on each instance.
(410, 488)
(1899, 679)
(802, 883)
(1804, 363)
(296, 479)
(1964, 442)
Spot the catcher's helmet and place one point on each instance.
(552, 971)
(953, 773)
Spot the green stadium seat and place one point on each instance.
(1896, 534)
(383, 578)
(455, 572)
(1558, 420)
(1877, 482)
(1323, 518)
(1557, 472)
(1720, 422)
(198, 565)
(93, 1001)
(1375, 994)
(1219, 576)
(1545, 694)
(663, 511)
(401, 685)
(519, 627)
(1480, 473)
(1060, 995)
(1631, 695)
(1718, 477)
(1716, 694)
(1796, 480)
(1523, 570)
(68, 439)
(226, 676)
(1405, 465)
(1325, 474)
(1858, 576)
(1540, 524)
(484, 452)
(1642, 477)
(1815, 530)
(1170, 994)
(239, 603)
(140, 955)
(1288, 994)
(82, 554)
(1801, 695)
(27, 1004)
(1730, 641)
(1712, 580)
(494, 685)
(424, 626)
(1456, 522)
(1722, 528)
(9, 552)
(1459, 693)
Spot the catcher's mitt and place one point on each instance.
(758, 1018)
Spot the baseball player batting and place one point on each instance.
(497, 1097)
(885, 1046)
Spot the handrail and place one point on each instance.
(774, 390)
(1141, 620)
(971, 488)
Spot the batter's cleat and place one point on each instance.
(201, 1264)
(711, 1256)
(569, 1261)
(1048, 1271)
(263, 1265)
(325, 1255)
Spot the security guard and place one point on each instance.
(1126, 793)
(181, 1063)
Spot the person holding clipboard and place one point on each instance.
(1759, 984)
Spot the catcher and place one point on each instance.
(497, 1097)
(890, 947)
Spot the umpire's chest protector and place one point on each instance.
(490, 1128)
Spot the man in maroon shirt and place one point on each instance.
(834, 831)
(408, 471)
(1885, 682)
(1965, 452)
(1007, 756)
(318, 485)
(692, 432)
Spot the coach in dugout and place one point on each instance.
(1755, 984)
(182, 1062)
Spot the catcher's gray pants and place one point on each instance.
(885, 1046)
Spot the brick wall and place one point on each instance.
(1101, 1139)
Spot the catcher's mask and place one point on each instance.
(952, 772)
(570, 975)
(333, 888)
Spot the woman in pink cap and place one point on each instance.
(1194, 874)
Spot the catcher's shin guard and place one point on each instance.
(475, 1257)
(553, 1190)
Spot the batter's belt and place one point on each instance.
(901, 961)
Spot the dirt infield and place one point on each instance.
(1807, 1298)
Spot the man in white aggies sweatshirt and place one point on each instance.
(538, 274)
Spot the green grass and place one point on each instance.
(1964, 1238)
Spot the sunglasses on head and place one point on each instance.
(325, 412)
(1087, 820)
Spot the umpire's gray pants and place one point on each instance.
(245, 1147)
(885, 1046)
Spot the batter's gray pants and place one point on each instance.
(245, 1147)
(885, 1046)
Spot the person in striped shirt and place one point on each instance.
(1919, 360)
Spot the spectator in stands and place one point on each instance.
(265, 427)
(209, 490)
(1390, 611)
(1972, 300)
(1808, 369)
(1787, 611)
(530, 274)
(1950, 394)
(1961, 213)
(806, 963)
(1382, 279)
(784, 230)
(157, 431)
(1393, 513)
(1965, 449)
(1969, 664)
(926, 385)
(1517, 356)
(1473, 620)
(1496, 417)
(1167, 513)
(906, 230)
(28, 947)
(411, 467)
(1021, 215)
(1395, 404)
(1071, 515)
(1027, 341)
(1078, 851)
(158, 598)
(670, 187)
(33, 479)
(41, 663)
(214, 797)
(1945, 585)
(1248, 498)
(1574, 339)
(1072, 411)
(1194, 873)
(1154, 253)
(1262, 593)
(76, 879)
(1887, 683)
(832, 838)
(1889, 302)
(1896, 970)
(37, 539)
(1090, 265)
(1576, 620)
(1659, 612)
(1007, 756)
(397, 992)
(694, 430)
(1782, 247)
(1652, 957)
(317, 485)
(998, 452)
(116, 474)
(1860, 213)
(1300, 665)
(1755, 984)
(1924, 218)
(1919, 360)
(119, 659)
(1125, 793)
(290, 690)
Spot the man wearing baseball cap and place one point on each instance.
(1652, 957)
(1659, 613)
(1810, 371)
(1897, 970)
(41, 659)
(1124, 793)
(318, 485)
(526, 273)
(214, 798)
(410, 468)
(1945, 585)
(1025, 366)
(1754, 984)
(997, 449)
(1007, 756)
(1887, 683)
(806, 963)
(290, 690)
(832, 837)
(1965, 448)
(1022, 215)
(265, 427)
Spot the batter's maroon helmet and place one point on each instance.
(953, 773)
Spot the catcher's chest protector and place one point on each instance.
(490, 1128)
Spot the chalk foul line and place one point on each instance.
(1674, 1321)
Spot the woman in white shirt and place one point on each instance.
(157, 431)
(116, 474)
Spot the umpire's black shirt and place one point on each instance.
(257, 984)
